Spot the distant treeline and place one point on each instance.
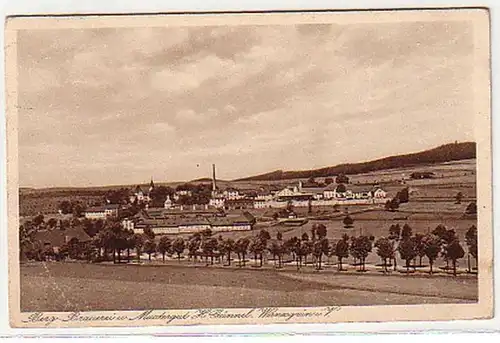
(443, 153)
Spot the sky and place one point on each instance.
(119, 106)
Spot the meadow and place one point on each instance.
(57, 286)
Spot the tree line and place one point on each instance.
(114, 243)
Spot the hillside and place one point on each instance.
(443, 153)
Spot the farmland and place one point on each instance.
(451, 177)
(84, 287)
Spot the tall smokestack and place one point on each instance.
(214, 182)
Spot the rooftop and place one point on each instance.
(178, 221)
(58, 237)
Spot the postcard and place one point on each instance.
(249, 168)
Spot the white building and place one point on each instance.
(178, 225)
(182, 193)
(217, 202)
(128, 224)
(325, 195)
(330, 191)
(231, 194)
(379, 193)
(262, 203)
(168, 203)
(264, 196)
(288, 191)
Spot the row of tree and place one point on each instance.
(440, 242)
(115, 243)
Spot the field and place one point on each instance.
(84, 287)
(32, 203)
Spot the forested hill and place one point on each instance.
(443, 153)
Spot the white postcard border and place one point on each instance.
(344, 314)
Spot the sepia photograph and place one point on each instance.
(249, 168)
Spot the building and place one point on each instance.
(182, 193)
(102, 212)
(217, 201)
(378, 193)
(187, 211)
(263, 199)
(262, 204)
(351, 193)
(141, 195)
(330, 191)
(189, 225)
(288, 191)
(422, 175)
(249, 217)
(264, 195)
(325, 195)
(292, 194)
(248, 193)
(230, 198)
(55, 239)
(231, 194)
(313, 189)
(239, 204)
(168, 203)
(228, 224)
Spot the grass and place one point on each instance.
(86, 287)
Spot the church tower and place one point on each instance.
(151, 185)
